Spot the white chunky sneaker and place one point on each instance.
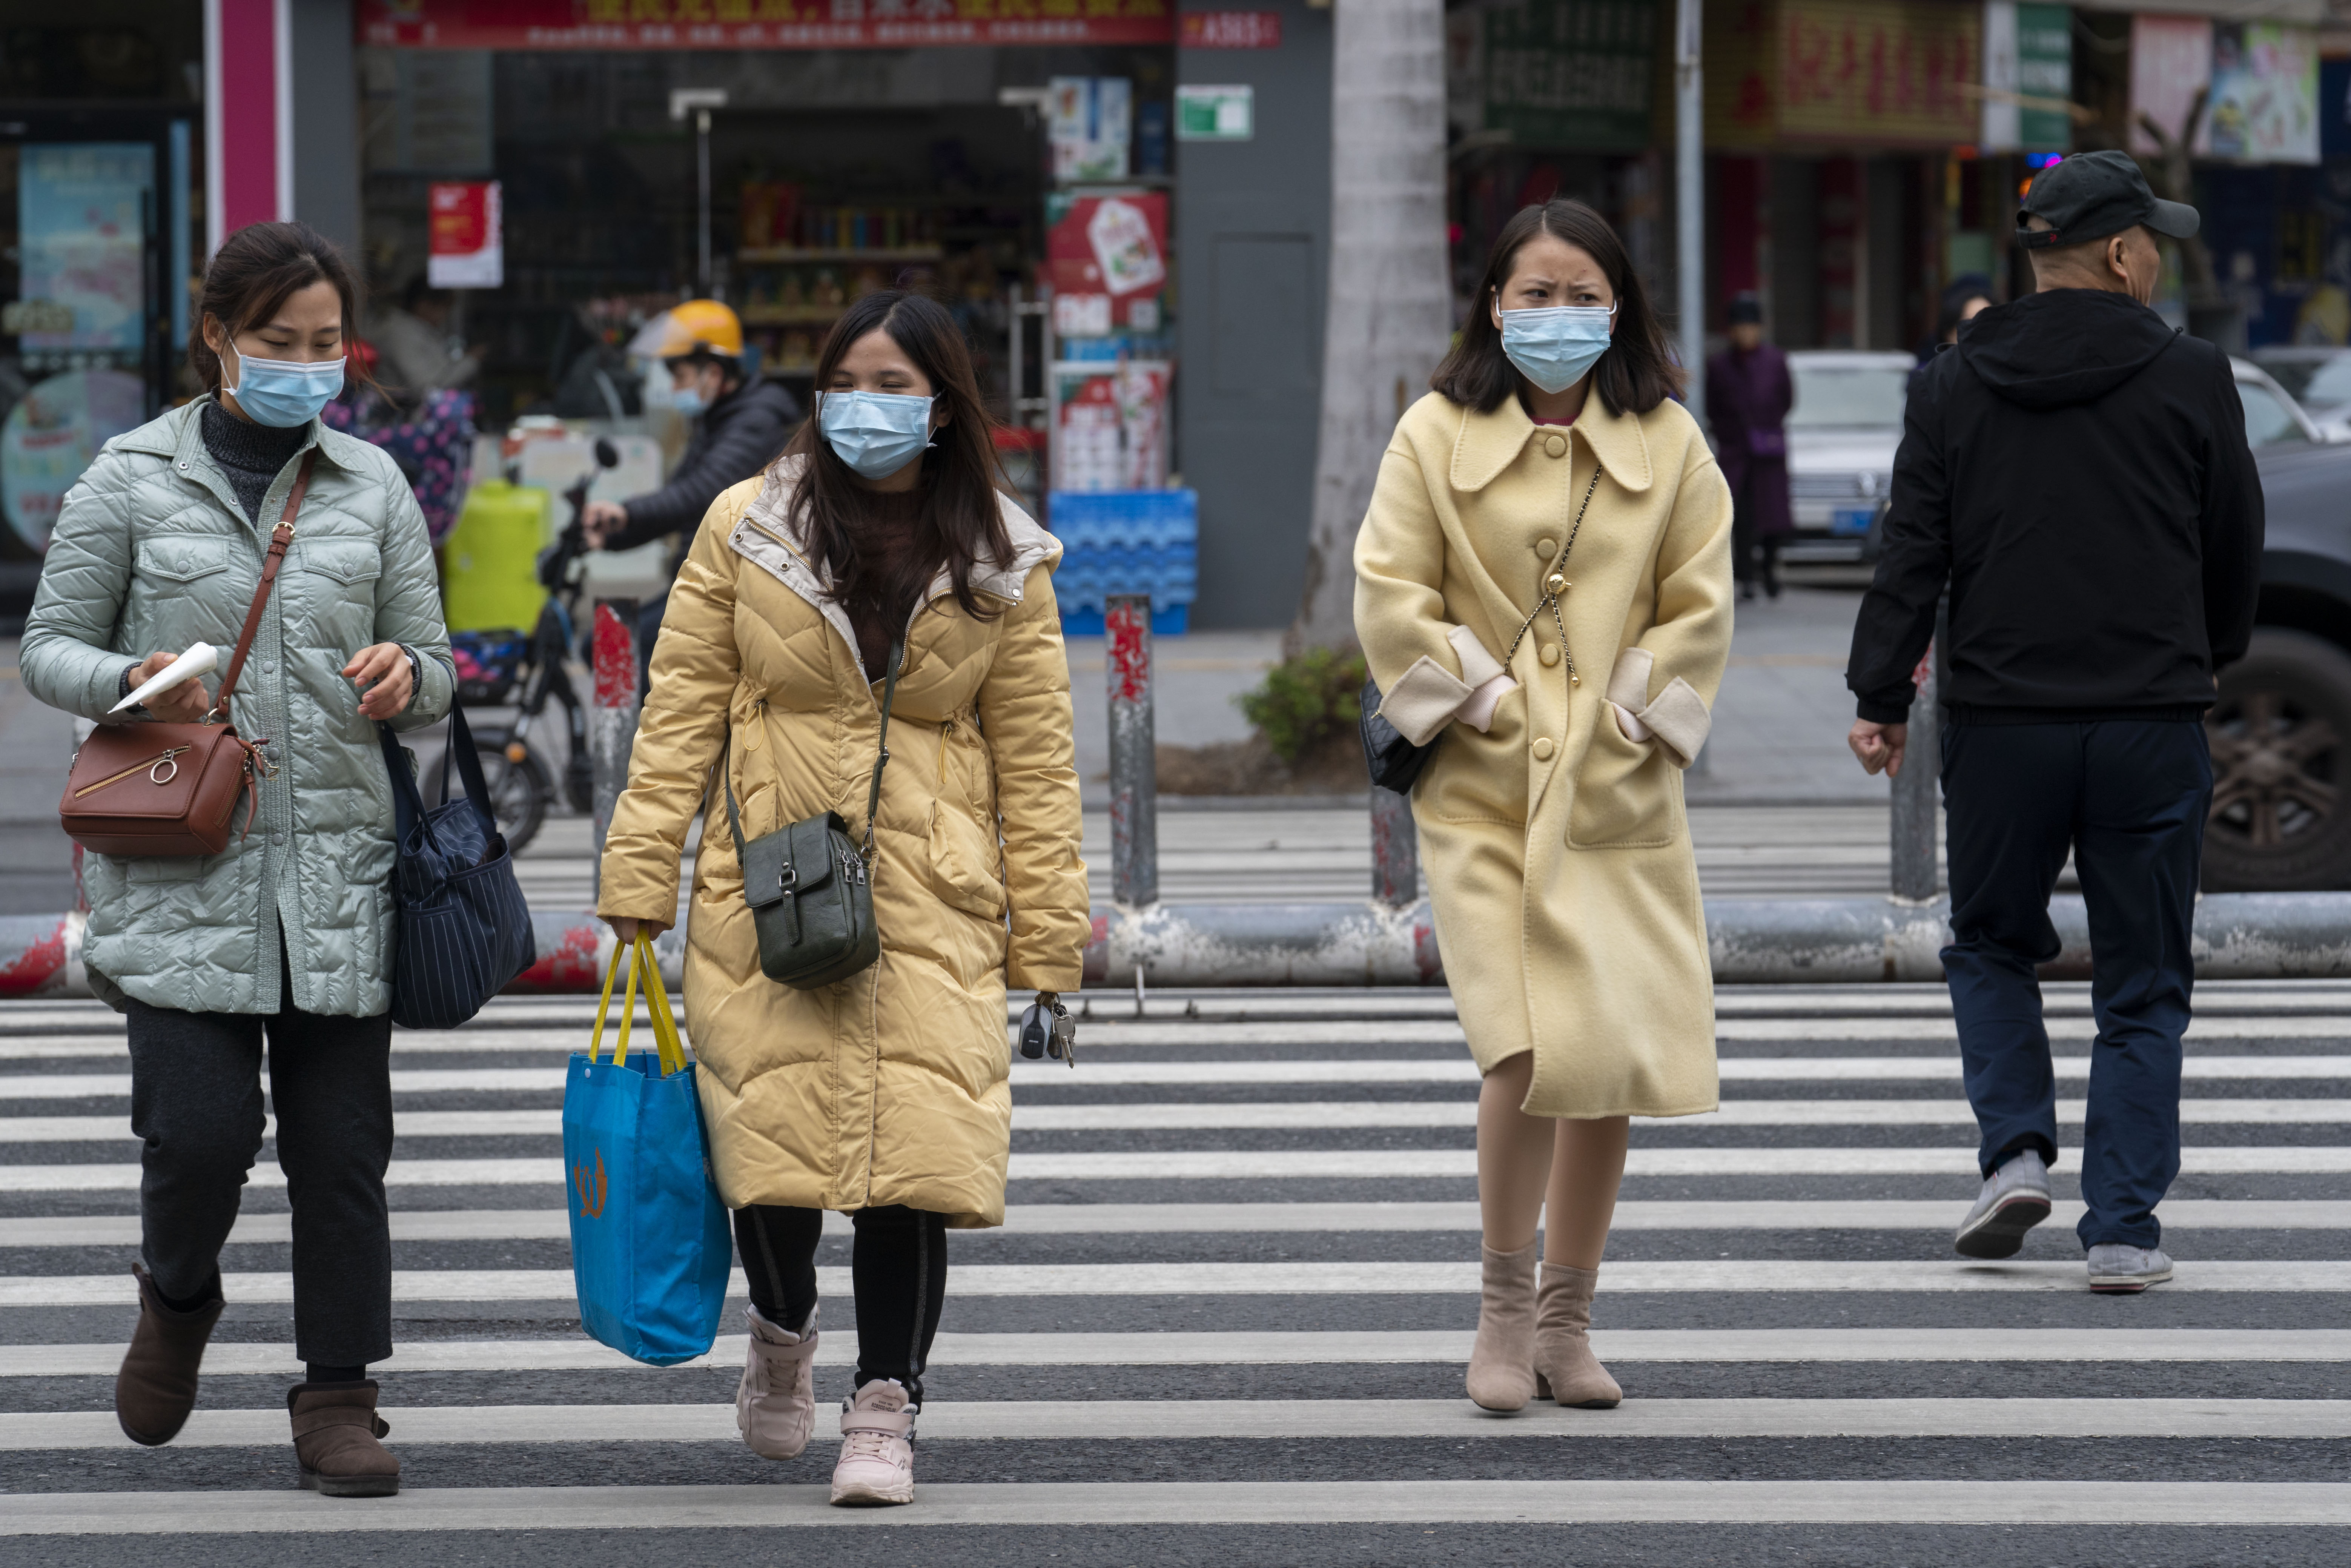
(2118, 1270)
(2015, 1198)
(775, 1405)
(877, 1448)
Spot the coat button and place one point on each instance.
(1546, 547)
(1555, 444)
(1550, 654)
(1543, 748)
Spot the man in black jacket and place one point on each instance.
(2076, 472)
(739, 427)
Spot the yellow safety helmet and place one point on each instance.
(699, 325)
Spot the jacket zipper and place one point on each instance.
(153, 763)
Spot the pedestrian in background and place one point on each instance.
(418, 353)
(1747, 396)
(1966, 298)
(739, 427)
(885, 1095)
(288, 934)
(1550, 512)
(2076, 473)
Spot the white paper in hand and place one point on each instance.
(199, 660)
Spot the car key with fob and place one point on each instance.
(1048, 1030)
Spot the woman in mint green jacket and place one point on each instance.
(288, 930)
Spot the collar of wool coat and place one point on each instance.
(1489, 443)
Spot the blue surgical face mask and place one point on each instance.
(1555, 346)
(689, 402)
(285, 392)
(876, 434)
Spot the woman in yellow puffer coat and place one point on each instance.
(884, 1095)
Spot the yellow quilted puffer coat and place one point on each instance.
(889, 1087)
(1551, 812)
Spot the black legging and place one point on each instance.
(898, 1266)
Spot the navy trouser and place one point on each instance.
(2129, 798)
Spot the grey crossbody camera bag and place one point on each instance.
(809, 883)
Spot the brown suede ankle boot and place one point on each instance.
(335, 1433)
(1502, 1360)
(1565, 1368)
(157, 1385)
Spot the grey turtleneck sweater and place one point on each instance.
(250, 455)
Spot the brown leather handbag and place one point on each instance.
(172, 789)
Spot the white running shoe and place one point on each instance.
(2015, 1198)
(877, 1448)
(775, 1405)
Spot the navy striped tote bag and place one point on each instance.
(463, 929)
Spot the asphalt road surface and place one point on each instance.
(1227, 1321)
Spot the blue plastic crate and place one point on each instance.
(1124, 519)
(1168, 621)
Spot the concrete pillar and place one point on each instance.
(1134, 763)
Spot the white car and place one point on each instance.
(2273, 417)
(1842, 435)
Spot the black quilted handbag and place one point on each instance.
(810, 885)
(463, 930)
(1394, 762)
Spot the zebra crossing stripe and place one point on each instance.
(2277, 1504)
(1094, 1420)
(1205, 1218)
(1284, 1278)
(1306, 1348)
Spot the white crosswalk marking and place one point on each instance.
(1241, 1251)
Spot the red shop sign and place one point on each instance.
(618, 24)
(1229, 30)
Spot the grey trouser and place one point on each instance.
(195, 1099)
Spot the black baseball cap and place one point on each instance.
(2090, 196)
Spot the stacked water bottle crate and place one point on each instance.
(1118, 542)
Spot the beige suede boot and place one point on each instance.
(1565, 1368)
(1502, 1361)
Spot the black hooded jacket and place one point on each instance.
(735, 439)
(2078, 472)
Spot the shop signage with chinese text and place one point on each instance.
(1861, 74)
(1214, 113)
(467, 238)
(1570, 73)
(619, 25)
(2028, 77)
(1229, 30)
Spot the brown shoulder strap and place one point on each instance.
(280, 538)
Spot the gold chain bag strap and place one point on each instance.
(143, 789)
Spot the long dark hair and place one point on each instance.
(1634, 376)
(961, 478)
(257, 270)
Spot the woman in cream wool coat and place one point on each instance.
(1544, 592)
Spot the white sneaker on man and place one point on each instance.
(877, 1446)
(2015, 1198)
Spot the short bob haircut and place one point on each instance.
(1634, 376)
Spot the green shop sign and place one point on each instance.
(1570, 74)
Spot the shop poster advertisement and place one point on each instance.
(1106, 256)
(82, 235)
(467, 234)
(2170, 63)
(2265, 107)
(720, 25)
(1090, 125)
(52, 434)
(1111, 426)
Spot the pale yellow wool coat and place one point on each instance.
(889, 1087)
(1557, 850)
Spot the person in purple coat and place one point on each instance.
(1748, 395)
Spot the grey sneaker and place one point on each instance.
(2016, 1199)
(2116, 1270)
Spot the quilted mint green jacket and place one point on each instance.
(152, 552)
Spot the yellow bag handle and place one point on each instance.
(666, 1044)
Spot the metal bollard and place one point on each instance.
(613, 721)
(1395, 850)
(1918, 789)
(1133, 762)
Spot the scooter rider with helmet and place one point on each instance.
(740, 427)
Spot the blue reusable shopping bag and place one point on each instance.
(651, 1250)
